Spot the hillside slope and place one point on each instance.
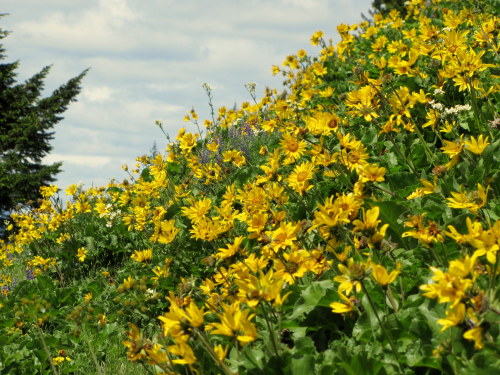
(349, 225)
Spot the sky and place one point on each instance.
(148, 60)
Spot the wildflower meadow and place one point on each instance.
(347, 225)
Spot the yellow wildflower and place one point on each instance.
(381, 276)
(235, 322)
(184, 352)
(478, 145)
(429, 188)
(472, 201)
(299, 179)
(292, 148)
(371, 172)
(425, 234)
(475, 334)
(284, 236)
(316, 38)
(453, 149)
(342, 308)
(142, 256)
(197, 210)
(82, 254)
(231, 249)
(454, 317)
(363, 103)
(351, 277)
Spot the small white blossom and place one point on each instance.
(458, 108)
(251, 86)
(437, 106)
(207, 86)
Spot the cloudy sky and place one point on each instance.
(148, 60)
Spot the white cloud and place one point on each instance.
(80, 160)
(148, 60)
(97, 93)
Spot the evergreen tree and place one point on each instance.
(26, 122)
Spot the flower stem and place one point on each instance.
(92, 352)
(210, 351)
(46, 349)
(271, 332)
(388, 292)
(391, 342)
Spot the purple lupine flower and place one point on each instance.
(30, 274)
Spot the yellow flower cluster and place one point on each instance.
(466, 303)
(300, 188)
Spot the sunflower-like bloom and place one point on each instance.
(426, 234)
(369, 225)
(371, 173)
(429, 188)
(142, 256)
(265, 287)
(178, 322)
(478, 145)
(164, 232)
(230, 250)
(472, 201)
(381, 276)
(322, 123)
(335, 211)
(292, 147)
(452, 286)
(197, 210)
(82, 254)
(351, 277)
(284, 236)
(343, 307)
(187, 141)
(300, 177)
(453, 317)
(235, 322)
(475, 334)
(363, 103)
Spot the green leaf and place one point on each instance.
(146, 175)
(90, 243)
(390, 212)
(173, 168)
(418, 155)
(64, 295)
(44, 283)
(172, 211)
(114, 189)
(303, 364)
(310, 297)
(391, 159)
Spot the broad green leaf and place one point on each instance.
(390, 213)
(301, 365)
(310, 297)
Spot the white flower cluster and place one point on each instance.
(437, 106)
(110, 215)
(450, 111)
(207, 87)
(250, 86)
(458, 108)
